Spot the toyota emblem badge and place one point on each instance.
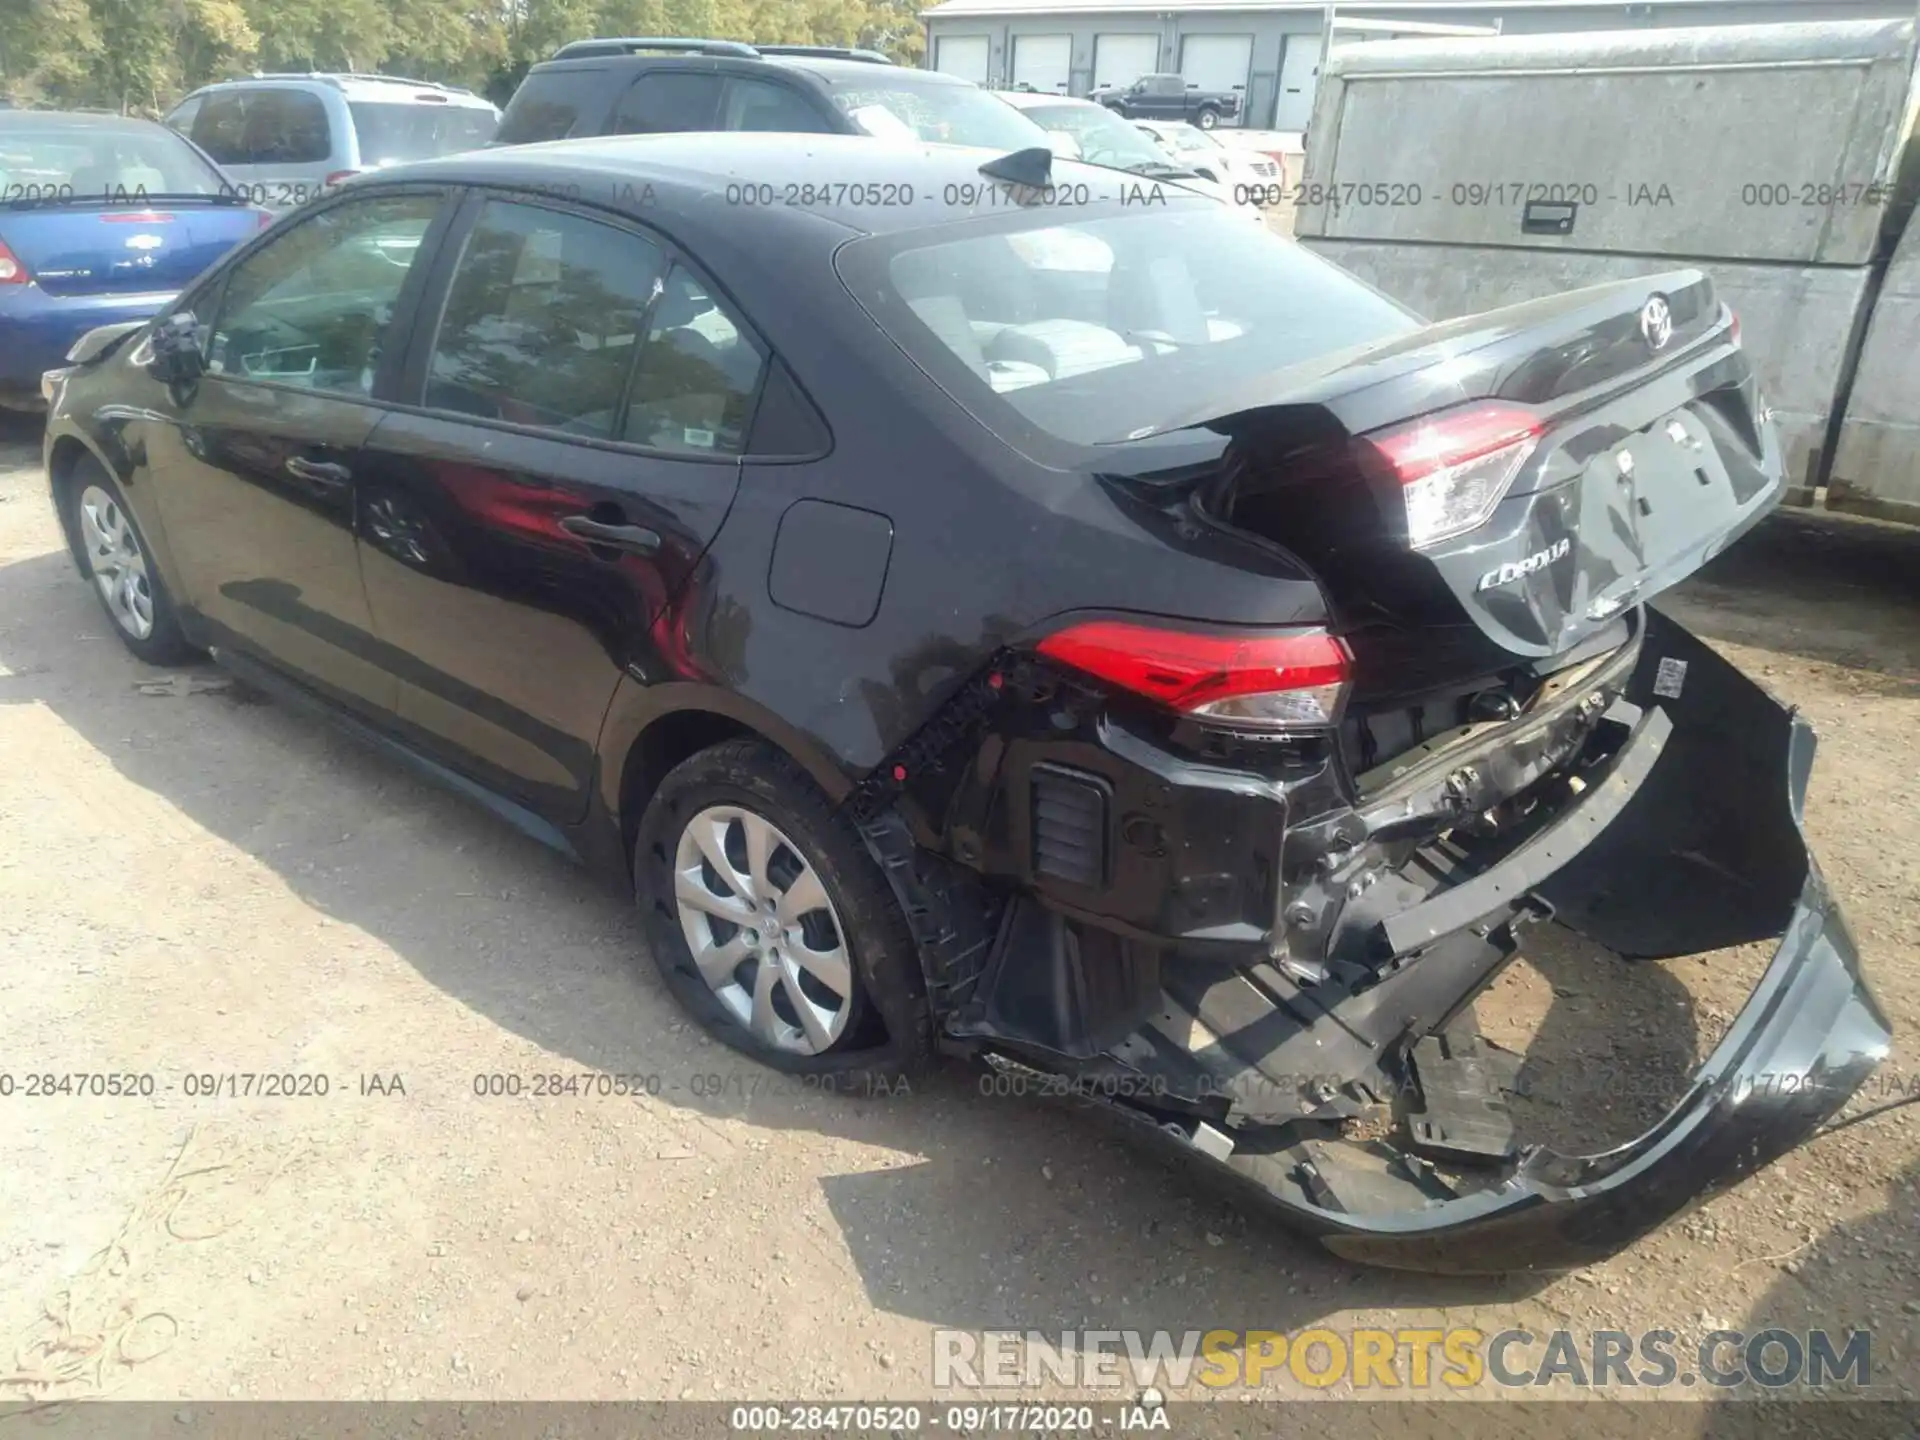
(1656, 323)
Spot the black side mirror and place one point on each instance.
(179, 350)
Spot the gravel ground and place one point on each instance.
(194, 883)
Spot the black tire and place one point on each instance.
(1207, 118)
(164, 643)
(888, 1033)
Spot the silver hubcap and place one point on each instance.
(763, 933)
(119, 569)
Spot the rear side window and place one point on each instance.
(263, 127)
(698, 374)
(391, 133)
(664, 102)
(543, 320)
(766, 106)
(553, 104)
(183, 114)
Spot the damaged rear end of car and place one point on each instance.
(1239, 886)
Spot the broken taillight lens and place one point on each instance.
(1455, 466)
(1272, 680)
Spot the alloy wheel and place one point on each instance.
(763, 933)
(119, 566)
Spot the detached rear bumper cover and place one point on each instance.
(1808, 1037)
(1707, 852)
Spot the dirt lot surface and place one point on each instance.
(195, 884)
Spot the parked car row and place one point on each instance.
(981, 602)
(253, 148)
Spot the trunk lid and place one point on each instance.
(1640, 448)
(92, 249)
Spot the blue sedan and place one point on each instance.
(102, 219)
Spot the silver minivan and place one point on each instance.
(284, 139)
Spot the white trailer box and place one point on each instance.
(1461, 175)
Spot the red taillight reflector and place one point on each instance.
(12, 272)
(1296, 675)
(337, 176)
(1455, 466)
(262, 219)
(1454, 437)
(136, 217)
(1733, 326)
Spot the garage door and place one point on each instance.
(1217, 62)
(1123, 59)
(962, 55)
(1042, 61)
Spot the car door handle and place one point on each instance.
(634, 539)
(319, 472)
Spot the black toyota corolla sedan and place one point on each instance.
(987, 605)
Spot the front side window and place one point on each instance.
(698, 374)
(313, 308)
(263, 127)
(667, 102)
(543, 320)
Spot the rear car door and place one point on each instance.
(254, 473)
(530, 518)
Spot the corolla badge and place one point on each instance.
(1511, 571)
(1656, 323)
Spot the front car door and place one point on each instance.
(570, 449)
(254, 474)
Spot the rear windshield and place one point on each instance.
(944, 114)
(391, 133)
(54, 161)
(550, 105)
(263, 127)
(1103, 330)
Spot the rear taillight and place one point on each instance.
(1454, 467)
(262, 219)
(12, 272)
(1733, 325)
(1276, 680)
(339, 175)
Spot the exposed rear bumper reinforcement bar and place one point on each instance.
(1692, 841)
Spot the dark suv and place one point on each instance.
(654, 86)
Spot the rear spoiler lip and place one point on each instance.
(1337, 382)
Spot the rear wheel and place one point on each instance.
(122, 570)
(772, 925)
(1207, 118)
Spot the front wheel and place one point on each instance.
(1207, 118)
(124, 576)
(771, 923)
